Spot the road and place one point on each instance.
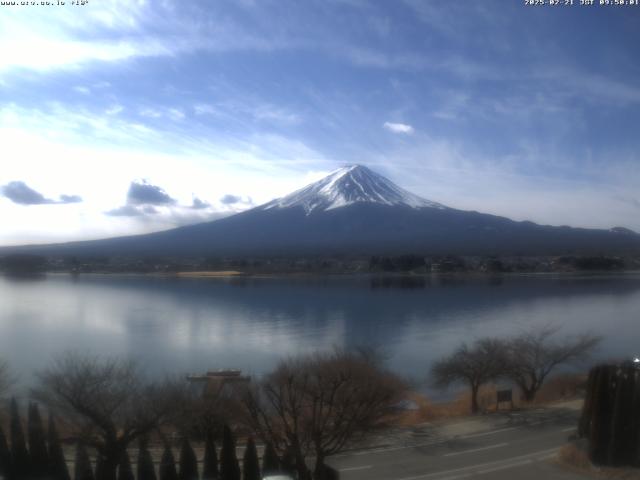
(522, 447)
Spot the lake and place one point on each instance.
(190, 325)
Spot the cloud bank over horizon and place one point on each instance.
(21, 194)
(224, 105)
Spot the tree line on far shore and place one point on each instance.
(30, 264)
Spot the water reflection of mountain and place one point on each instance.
(195, 324)
(372, 308)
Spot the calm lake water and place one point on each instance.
(191, 325)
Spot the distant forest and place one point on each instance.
(27, 264)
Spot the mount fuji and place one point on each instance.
(348, 186)
(355, 211)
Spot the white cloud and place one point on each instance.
(106, 152)
(399, 128)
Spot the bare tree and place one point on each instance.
(475, 365)
(534, 354)
(319, 404)
(107, 402)
(203, 413)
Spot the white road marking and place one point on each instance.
(489, 447)
(491, 432)
(353, 469)
(425, 444)
(547, 457)
(435, 442)
(570, 429)
(390, 449)
(456, 477)
(506, 466)
(479, 468)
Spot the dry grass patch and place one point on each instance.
(559, 388)
(566, 386)
(427, 411)
(575, 458)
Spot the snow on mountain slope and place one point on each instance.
(348, 185)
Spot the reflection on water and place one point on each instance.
(189, 325)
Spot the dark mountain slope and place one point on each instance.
(355, 211)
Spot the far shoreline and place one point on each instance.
(238, 274)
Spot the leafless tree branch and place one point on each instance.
(533, 355)
(106, 400)
(319, 404)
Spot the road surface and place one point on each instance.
(522, 447)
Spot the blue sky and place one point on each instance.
(527, 112)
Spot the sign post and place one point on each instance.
(504, 396)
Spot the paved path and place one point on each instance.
(519, 446)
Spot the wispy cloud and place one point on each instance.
(590, 87)
(82, 89)
(44, 52)
(150, 112)
(170, 113)
(204, 109)
(46, 38)
(114, 109)
(67, 37)
(244, 106)
(269, 113)
(460, 177)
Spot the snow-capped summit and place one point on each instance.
(348, 185)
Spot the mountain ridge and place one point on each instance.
(355, 211)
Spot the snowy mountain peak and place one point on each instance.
(348, 185)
